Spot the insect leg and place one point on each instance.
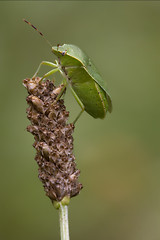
(44, 63)
(49, 73)
(64, 83)
(80, 104)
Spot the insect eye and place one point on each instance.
(64, 53)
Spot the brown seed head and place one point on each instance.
(53, 139)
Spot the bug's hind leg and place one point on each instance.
(80, 104)
(78, 116)
(44, 63)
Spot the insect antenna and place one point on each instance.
(37, 31)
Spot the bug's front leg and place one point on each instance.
(64, 84)
(49, 73)
(80, 104)
(44, 63)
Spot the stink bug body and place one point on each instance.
(81, 75)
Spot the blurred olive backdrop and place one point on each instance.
(119, 157)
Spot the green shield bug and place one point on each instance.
(79, 72)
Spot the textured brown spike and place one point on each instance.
(53, 140)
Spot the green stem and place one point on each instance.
(63, 219)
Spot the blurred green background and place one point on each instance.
(119, 157)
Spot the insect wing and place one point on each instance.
(92, 71)
(76, 53)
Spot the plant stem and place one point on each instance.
(63, 219)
